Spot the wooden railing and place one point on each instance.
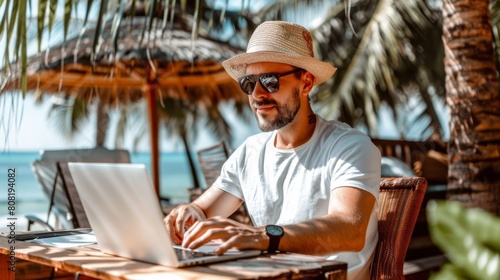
(408, 151)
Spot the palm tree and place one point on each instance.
(474, 102)
(70, 112)
(185, 119)
(387, 52)
(178, 115)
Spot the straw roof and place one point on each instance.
(165, 58)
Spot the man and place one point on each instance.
(310, 185)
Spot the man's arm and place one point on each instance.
(343, 229)
(215, 202)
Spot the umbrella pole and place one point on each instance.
(153, 125)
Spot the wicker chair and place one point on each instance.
(399, 205)
(211, 160)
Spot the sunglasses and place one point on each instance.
(269, 82)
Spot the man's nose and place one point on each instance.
(259, 92)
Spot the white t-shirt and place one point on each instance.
(290, 186)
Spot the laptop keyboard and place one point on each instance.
(186, 254)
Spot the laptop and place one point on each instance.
(125, 214)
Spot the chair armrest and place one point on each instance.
(35, 220)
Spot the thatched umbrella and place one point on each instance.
(146, 59)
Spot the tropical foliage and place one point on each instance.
(469, 237)
(390, 60)
(97, 15)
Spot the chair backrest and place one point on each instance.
(211, 160)
(98, 154)
(399, 205)
(47, 176)
(57, 184)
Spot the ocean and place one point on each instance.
(29, 199)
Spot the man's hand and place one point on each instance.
(231, 233)
(182, 217)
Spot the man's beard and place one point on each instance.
(285, 112)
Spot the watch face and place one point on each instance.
(274, 230)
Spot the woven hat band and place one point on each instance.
(271, 49)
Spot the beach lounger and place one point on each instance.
(56, 183)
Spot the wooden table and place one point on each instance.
(93, 263)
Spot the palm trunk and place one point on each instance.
(102, 123)
(473, 99)
(194, 174)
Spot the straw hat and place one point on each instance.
(282, 42)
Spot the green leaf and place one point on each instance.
(3, 28)
(469, 237)
(10, 27)
(52, 14)
(98, 28)
(68, 5)
(89, 6)
(447, 272)
(42, 7)
(183, 5)
(24, 51)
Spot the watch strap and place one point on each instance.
(274, 243)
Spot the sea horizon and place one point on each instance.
(29, 198)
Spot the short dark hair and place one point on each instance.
(298, 74)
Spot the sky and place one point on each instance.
(26, 126)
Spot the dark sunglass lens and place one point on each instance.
(247, 85)
(270, 82)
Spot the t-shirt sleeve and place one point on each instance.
(228, 180)
(356, 163)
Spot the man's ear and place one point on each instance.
(308, 82)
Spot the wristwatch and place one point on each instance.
(275, 233)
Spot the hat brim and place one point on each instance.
(236, 66)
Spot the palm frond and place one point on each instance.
(300, 11)
(383, 50)
(69, 113)
(397, 50)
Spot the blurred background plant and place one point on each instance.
(468, 237)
